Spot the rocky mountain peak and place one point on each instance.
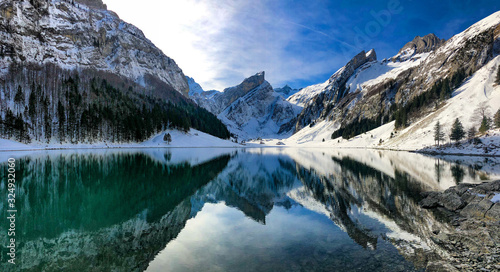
(345, 72)
(371, 55)
(423, 44)
(252, 82)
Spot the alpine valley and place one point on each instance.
(113, 159)
(73, 72)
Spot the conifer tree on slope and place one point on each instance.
(457, 131)
(496, 118)
(438, 133)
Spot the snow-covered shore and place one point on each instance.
(486, 145)
(193, 138)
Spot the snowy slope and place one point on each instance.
(306, 94)
(194, 88)
(478, 90)
(377, 72)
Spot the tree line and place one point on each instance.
(440, 91)
(47, 103)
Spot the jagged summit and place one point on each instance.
(371, 55)
(419, 45)
(249, 83)
(423, 44)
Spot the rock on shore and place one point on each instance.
(474, 210)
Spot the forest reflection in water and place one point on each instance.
(228, 209)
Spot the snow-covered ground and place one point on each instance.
(488, 145)
(307, 94)
(193, 138)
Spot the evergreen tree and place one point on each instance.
(485, 125)
(32, 105)
(457, 131)
(9, 124)
(167, 138)
(19, 98)
(496, 118)
(438, 133)
(61, 115)
(445, 90)
(471, 133)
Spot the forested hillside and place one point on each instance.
(50, 104)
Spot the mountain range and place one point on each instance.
(419, 83)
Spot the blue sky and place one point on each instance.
(297, 42)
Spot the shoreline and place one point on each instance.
(248, 145)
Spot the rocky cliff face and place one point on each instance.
(418, 45)
(82, 35)
(93, 3)
(334, 92)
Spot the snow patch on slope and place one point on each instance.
(307, 94)
(374, 73)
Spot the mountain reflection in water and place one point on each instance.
(227, 210)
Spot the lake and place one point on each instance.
(257, 209)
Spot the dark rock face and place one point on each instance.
(468, 200)
(475, 244)
(451, 201)
(322, 104)
(231, 94)
(419, 45)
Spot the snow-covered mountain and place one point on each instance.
(251, 109)
(74, 72)
(194, 87)
(82, 35)
(367, 93)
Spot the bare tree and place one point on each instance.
(481, 112)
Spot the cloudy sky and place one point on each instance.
(297, 42)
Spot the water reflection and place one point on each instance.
(227, 210)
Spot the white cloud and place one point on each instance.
(221, 42)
